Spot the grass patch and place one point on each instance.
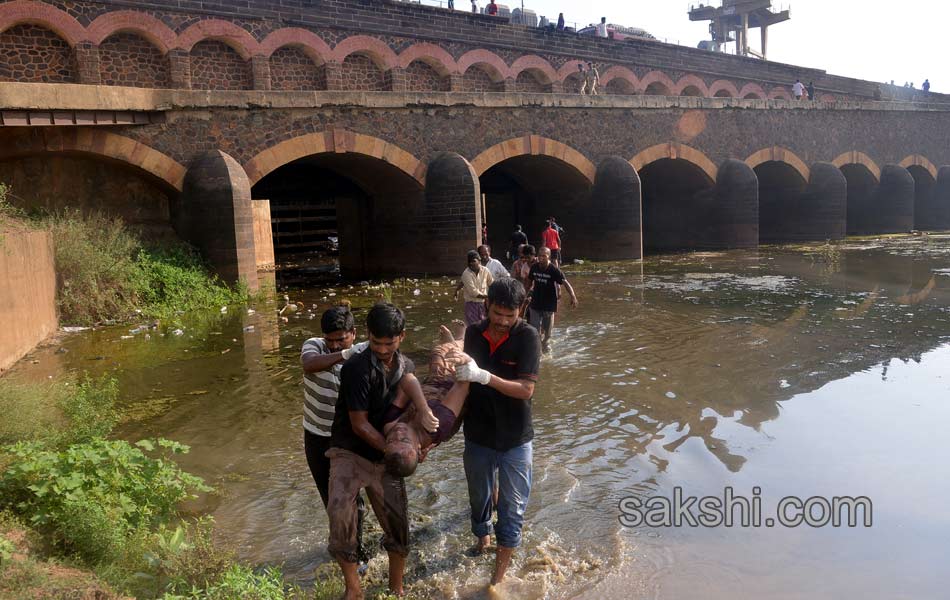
(106, 273)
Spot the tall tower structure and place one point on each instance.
(733, 20)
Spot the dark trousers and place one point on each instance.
(315, 447)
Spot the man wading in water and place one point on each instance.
(544, 279)
(506, 355)
(369, 382)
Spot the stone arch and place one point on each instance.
(487, 60)
(338, 141)
(230, 34)
(534, 145)
(297, 67)
(34, 53)
(542, 69)
(752, 91)
(155, 165)
(623, 79)
(657, 83)
(132, 21)
(571, 83)
(569, 69)
(307, 41)
(920, 161)
(129, 58)
(779, 93)
(217, 65)
(782, 155)
(27, 12)
(691, 82)
(723, 88)
(675, 150)
(430, 54)
(422, 76)
(482, 77)
(377, 50)
(853, 157)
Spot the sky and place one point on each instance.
(853, 38)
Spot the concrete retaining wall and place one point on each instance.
(28, 293)
(263, 235)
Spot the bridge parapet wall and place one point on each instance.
(369, 45)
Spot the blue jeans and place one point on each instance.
(514, 486)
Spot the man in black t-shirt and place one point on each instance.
(506, 356)
(518, 239)
(544, 278)
(369, 382)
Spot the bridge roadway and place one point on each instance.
(623, 174)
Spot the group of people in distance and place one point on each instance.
(369, 421)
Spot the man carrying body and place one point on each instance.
(545, 277)
(498, 431)
(493, 265)
(368, 384)
(322, 360)
(474, 287)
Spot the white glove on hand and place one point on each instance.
(471, 372)
(354, 349)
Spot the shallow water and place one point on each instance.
(797, 370)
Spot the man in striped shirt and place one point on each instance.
(322, 360)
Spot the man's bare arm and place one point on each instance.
(315, 362)
(520, 389)
(570, 290)
(359, 420)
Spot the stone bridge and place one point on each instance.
(402, 127)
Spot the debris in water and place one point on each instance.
(74, 329)
(784, 384)
(178, 332)
(249, 328)
(224, 309)
(670, 395)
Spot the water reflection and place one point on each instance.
(677, 371)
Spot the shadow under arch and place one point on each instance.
(526, 180)
(366, 192)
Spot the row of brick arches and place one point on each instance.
(39, 43)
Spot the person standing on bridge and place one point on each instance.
(583, 74)
(811, 91)
(926, 86)
(602, 28)
(492, 9)
(451, 4)
(593, 79)
(474, 287)
(798, 89)
(474, 7)
(560, 22)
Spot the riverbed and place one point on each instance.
(808, 371)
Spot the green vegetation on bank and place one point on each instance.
(106, 271)
(72, 501)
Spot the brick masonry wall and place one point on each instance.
(130, 60)
(360, 73)
(29, 53)
(420, 77)
(216, 66)
(476, 79)
(527, 82)
(291, 69)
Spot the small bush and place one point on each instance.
(93, 496)
(240, 581)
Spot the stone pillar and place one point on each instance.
(509, 85)
(941, 200)
(734, 220)
(557, 87)
(260, 71)
(334, 72)
(179, 66)
(456, 82)
(214, 214)
(452, 217)
(397, 79)
(824, 204)
(87, 63)
(893, 203)
(610, 227)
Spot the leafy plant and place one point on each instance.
(93, 496)
(6, 549)
(240, 582)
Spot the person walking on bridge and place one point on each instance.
(593, 79)
(798, 89)
(492, 9)
(811, 91)
(926, 86)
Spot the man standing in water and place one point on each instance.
(544, 279)
(322, 360)
(474, 287)
(506, 355)
(493, 265)
(369, 383)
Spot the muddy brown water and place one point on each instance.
(796, 370)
